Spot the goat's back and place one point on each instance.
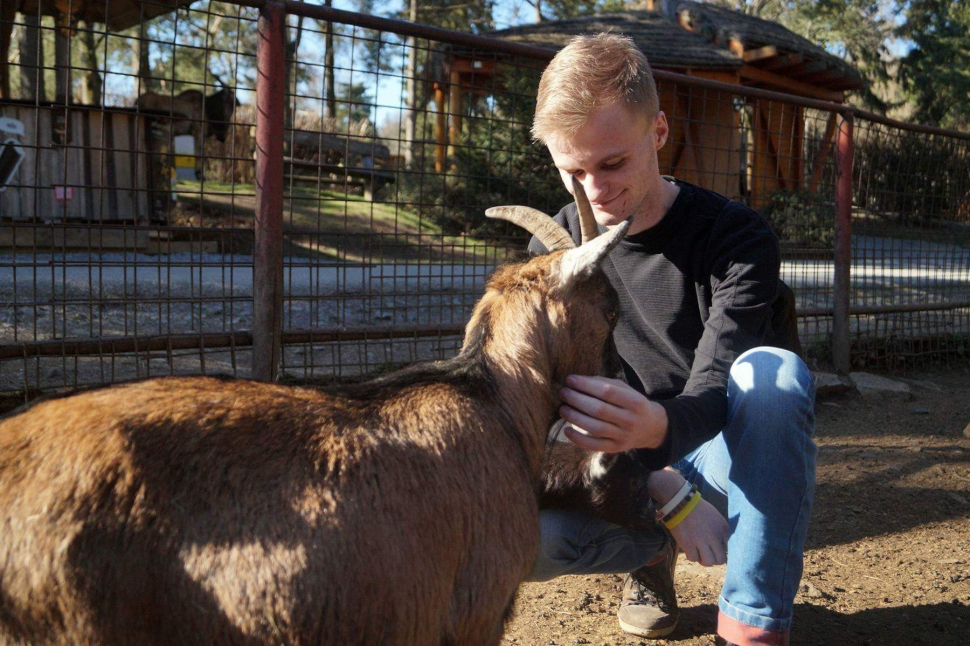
(200, 510)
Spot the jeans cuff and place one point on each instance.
(733, 616)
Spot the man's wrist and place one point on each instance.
(663, 485)
(657, 432)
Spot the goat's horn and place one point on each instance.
(582, 260)
(587, 223)
(549, 232)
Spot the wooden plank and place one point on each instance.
(87, 162)
(772, 145)
(110, 170)
(776, 81)
(784, 62)
(761, 53)
(60, 237)
(365, 146)
(819, 164)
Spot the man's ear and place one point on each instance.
(661, 130)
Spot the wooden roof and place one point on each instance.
(665, 43)
(116, 14)
(693, 35)
(767, 44)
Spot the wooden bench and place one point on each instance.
(327, 158)
(316, 174)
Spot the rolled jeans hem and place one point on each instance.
(752, 620)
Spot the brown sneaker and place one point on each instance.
(649, 604)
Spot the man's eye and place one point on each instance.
(614, 165)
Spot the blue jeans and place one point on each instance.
(759, 472)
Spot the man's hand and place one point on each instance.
(704, 533)
(610, 416)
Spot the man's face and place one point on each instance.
(614, 156)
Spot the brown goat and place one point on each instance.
(399, 512)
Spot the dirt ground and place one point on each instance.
(888, 556)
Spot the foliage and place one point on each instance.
(911, 178)
(935, 70)
(494, 162)
(802, 218)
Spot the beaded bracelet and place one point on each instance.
(683, 513)
(669, 511)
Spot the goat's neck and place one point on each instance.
(525, 387)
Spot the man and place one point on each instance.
(706, 396)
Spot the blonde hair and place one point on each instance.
(590, 73)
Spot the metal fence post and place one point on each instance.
(268, 243)
(843, 244)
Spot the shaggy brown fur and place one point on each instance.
(192, 510)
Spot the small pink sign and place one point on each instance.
(63, 193)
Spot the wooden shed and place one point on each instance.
(84, 162)
(706, 146)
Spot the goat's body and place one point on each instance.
(200, 510)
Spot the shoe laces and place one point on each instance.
(644, 594)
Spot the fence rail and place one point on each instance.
(284, 190)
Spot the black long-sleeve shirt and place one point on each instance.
(696, 290)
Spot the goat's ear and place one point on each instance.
(581, 262)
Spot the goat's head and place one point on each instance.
(557, 310)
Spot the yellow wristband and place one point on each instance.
(683, 513)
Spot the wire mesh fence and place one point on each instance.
(132, 215)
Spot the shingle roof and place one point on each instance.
(666, 44)
(670, 46)
(724, 24)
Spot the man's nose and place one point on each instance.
(596, 186)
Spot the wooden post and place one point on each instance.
(843, 244)
(268, 243)
(455, 114)
(439, 129)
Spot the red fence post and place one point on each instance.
(268, 243)
(843, 244)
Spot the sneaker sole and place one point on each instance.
(657, 633)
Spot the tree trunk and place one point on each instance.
(144, 70)
(31, 53)
(92, 84)
(7, 15)
(330, 102)
(292, 49)
(411, 116)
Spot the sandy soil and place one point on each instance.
(888, 558)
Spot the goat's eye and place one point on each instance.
(612, 316)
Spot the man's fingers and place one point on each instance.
(720, 554)
(592, 426)
(589, 442)
(707, 555)
(613, 391)
(591, 406)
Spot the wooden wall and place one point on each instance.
(778, 132)
(99, 156)
(704, 145)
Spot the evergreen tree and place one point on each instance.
(937, 69)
